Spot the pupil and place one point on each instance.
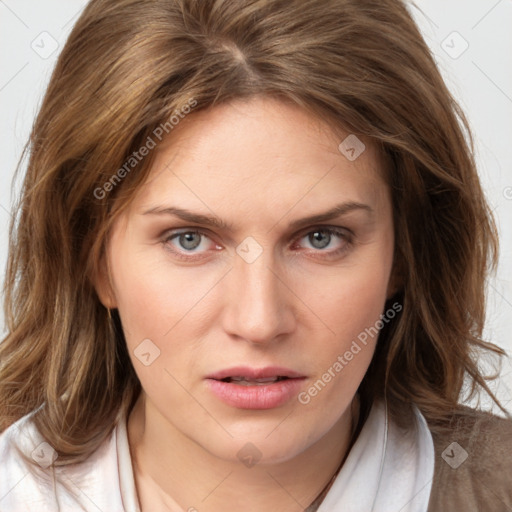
(187, 240)
(320, 239)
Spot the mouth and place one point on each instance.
(244, 381)
(250, 388)
(244, 375)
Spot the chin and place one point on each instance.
(266, 447)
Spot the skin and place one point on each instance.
(259, 165)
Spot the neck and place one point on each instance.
(174, 473)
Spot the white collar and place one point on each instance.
(387, 468)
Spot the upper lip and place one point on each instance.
(255, 373)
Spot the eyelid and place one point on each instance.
(171, 233)
(343, 233)
(324, 227)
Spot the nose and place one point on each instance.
(258, 304)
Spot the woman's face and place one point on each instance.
(250, 273)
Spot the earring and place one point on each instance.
(109, 314)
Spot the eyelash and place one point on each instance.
(345, 235)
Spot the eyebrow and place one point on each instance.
(214, 221)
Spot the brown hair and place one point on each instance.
(127, 66)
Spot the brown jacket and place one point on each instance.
(473, 465)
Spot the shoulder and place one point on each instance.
(30, 476)
(21, 447)
(473, 463)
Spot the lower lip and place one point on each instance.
(267, 396)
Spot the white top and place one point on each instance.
(386, 469)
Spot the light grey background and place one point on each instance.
(471, 40)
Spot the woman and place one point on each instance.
(248, 270)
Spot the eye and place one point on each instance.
(331, 241)
(194, 244)
(190, 240)
(187, 244)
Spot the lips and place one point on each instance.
(251, 388)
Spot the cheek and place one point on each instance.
(351, 300)
(152, 301)
(353, 313)
(153, 297)
(350, 304)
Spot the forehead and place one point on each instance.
(260, 155)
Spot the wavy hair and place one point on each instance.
(127, 67)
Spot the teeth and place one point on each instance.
(242, 381)
(266, 379)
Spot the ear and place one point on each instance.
(102, 282)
